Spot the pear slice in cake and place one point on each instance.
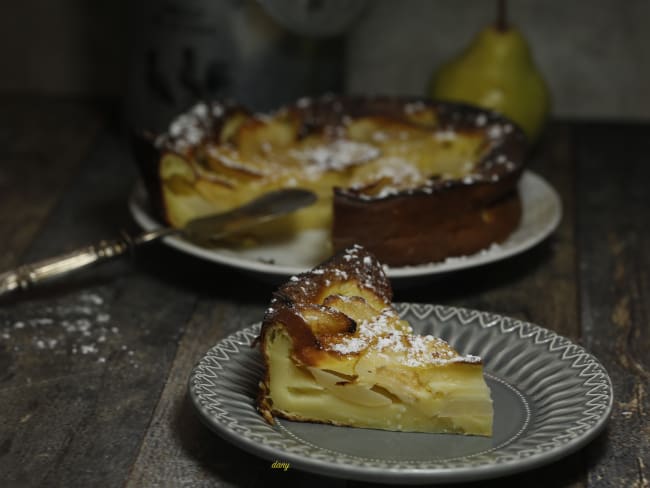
(336, 351)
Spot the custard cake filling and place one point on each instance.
(213, 169)
(337, 352)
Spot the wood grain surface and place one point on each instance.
(613, 236)
(41, 143)
(94, 369)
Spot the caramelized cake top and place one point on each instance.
(343, 308)
(370, 148)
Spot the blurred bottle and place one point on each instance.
(186, 50)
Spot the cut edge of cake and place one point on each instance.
(336, 351)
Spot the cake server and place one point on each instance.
(203, 231)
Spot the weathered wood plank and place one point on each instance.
(178, 449)
(42, 142)
(84, 360)
(175, 431)
(614, 266)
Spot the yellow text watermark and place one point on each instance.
(280, 465)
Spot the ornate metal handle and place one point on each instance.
(26, 276)
(261, 209)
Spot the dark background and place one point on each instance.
(594, 54)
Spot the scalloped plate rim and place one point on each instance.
(404, 475)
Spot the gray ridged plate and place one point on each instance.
(550, 397)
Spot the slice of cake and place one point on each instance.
(336, 352)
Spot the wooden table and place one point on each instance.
(93, 369)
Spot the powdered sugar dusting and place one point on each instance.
(191, 127)
(367, 332)
(414, 107)
(80, 325)
(495, 131)
(451, 260)
(365, 266)
(445, 135)
(353, 266)
(401, 173)
(336, 155)
(386, 333)
(335, 147)
(481, 120)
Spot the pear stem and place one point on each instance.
(502, 15)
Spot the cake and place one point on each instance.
(336, 351)
(413, 181)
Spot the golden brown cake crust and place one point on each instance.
(311, 309)
(302, 294)
(353, 264)
(456, 221)
(441, 217)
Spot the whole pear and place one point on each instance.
(497, 71)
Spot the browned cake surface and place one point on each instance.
(301, 302)
(414, 181)
(421, 228)
(334, 327)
